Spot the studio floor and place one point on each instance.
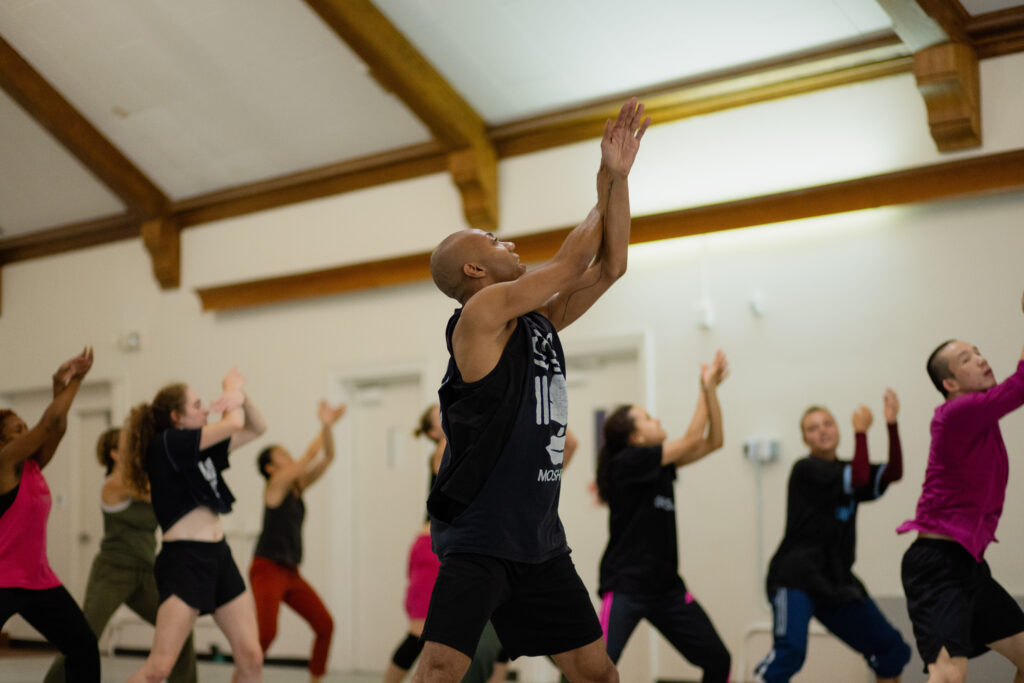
(32, 668)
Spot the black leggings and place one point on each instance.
(678, 617)
(53, 612)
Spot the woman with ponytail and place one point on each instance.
(27, 584)
(639, 575)
(122, 571)
(170, 450)
(423, 564)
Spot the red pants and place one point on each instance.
(273, 584)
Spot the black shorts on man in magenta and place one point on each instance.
(954, 602)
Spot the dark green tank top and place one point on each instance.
(129, 534)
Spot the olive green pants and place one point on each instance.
(111, 586)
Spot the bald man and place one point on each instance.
(504, 409)
(958, 609)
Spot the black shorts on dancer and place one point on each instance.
(954, 602)
(536, 609)
(203, 574)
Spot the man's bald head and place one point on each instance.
(446, 264)
(469, 260)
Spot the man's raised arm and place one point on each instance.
(619, 145)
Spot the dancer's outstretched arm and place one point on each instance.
(328, 416)
(619, 147)
(40, 442)
(705, 434)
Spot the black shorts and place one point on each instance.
(954, 602)
(203, 574)
(536, 609)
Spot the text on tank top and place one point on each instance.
(498, 487)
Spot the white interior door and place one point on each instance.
(390, 480)
(85, 428)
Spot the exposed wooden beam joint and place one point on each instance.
(951, 180)
(162, 238)
(945, 66)
(474, 171)
(399, 67)
(947, 76)
(37, 97)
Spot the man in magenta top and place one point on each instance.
(957, 608)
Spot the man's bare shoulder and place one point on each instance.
(483, 313)
(479, 337)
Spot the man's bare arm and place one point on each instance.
(619, 146)
(488, 317)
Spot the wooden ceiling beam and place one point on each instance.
(371, 274)
(43, 103)
(997, 33)
(68, 238)
(400, 68)
(347, 176)
(951, 180)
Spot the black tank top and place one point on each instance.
(281, 538)
(498, 487)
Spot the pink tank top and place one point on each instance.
(23, 562)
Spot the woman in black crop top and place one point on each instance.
(274, 574)
(639, 575)
(170, 449)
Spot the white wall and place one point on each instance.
(852, 304)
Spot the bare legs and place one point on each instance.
(174, 622)
(588, 664)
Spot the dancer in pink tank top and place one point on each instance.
(27, 584)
